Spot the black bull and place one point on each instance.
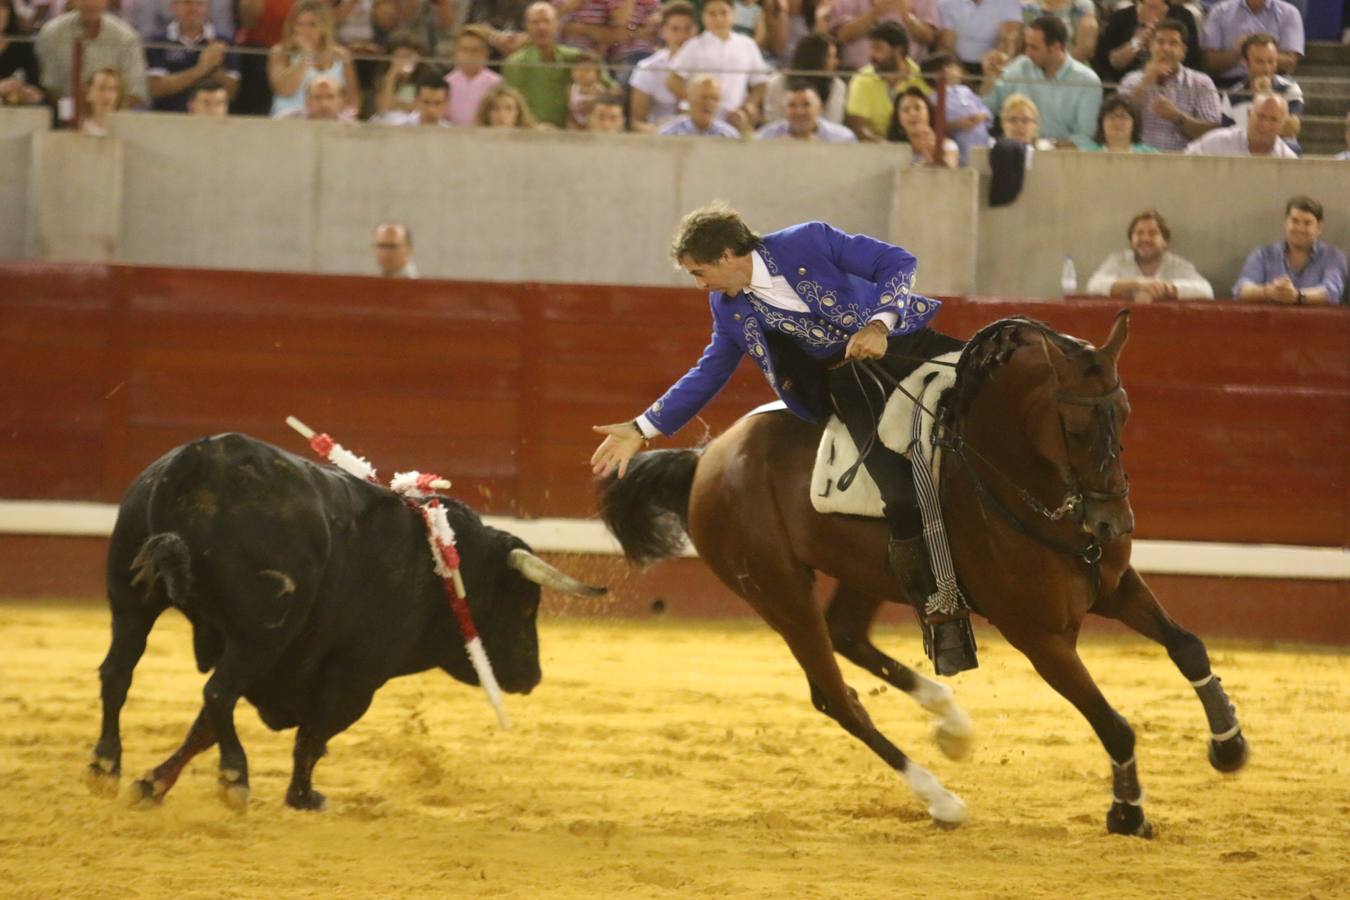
(307, 590)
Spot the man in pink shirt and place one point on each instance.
(470, 79)
(851, 21)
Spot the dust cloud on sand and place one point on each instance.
(667, 759)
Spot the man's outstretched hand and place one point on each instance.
(621, 442)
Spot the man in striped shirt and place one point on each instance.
(1177, 105)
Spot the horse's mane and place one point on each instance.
(991, 347)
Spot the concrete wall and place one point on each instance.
(17, 127)
(586, 209)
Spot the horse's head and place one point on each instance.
(1076, 427)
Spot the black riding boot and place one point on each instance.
(951, 643)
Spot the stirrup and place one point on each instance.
(950, 644)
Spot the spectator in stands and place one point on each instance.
(1260, 137)
(105, 94)
(814, 53)
(261, 24)
(621, 31)
(588, 84)
(765, 22)
(1128, 35)
(397, 93)
(1230, 21)
(1067, 93)
(651, 104)
(924, 151)
(705, 100)
(1260, 58)
(607, 115)
(872, 92)
(502, 19)
(538, 70)
(470, 80)
(972, 29)
(967, 117)
(1119, 129)
(1021, 122)
(1301, 268)
(1148, 271)
(152, 17)
(733, 59)
(323, 102)
(19, 75)
(109, 43)
(199, 54)
(208, 98)
(393, 250)
(1080, 23)
(803, 120)
(505, 107)
(431, 103)
(913, 113)
(852, 21)
(306, 51)
(1177, 104)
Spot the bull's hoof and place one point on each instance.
(1128, 819)
(146, 792)
(311, 800)
(102, 777)
(234, 791)
(1229, 755)
(955, 742)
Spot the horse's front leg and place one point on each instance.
(1055, 656)
(1134, 604)
(849, 617)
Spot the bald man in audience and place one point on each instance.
(1261, 137)
(393, 250)
(323, 102)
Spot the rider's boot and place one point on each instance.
(949, 640)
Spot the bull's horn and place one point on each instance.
(541, 573)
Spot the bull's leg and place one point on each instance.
(1055, 656)
(131, 624)
(785, 601)
(156, 783)
(338, 705)
(234, 673)
(1136, 606)
(849, 616)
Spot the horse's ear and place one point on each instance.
(1115, 341)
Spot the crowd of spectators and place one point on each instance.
(943, 76)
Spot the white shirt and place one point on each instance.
(1232, 141)
(650, 77)
(736, 63)
(1190, 284)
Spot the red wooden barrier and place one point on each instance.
(1239, 432)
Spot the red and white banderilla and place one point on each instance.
(412, 486)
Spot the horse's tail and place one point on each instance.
(648, 508)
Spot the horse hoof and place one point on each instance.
(1229, 755)
(955, 743)
(311, 801)
(1128, 819)
(102, 777)
(146, 792)
(948, 812)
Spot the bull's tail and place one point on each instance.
(648, 508)
(164, 563)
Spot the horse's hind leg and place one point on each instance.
(132, 620)
(849, 617)
(785, 601)
(1135, 605)
(1055, 657)
(156, 783)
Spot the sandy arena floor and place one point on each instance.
(663, 759)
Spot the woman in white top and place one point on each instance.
(307, 50)
(733, 59)
(815, 53)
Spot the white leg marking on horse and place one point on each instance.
(954, 732)
(945, 807)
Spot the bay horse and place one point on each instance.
(1036, 504)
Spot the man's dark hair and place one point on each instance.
(1306, 204)
(1157, 217)
(1110, 105)
(1053, 28)
(610, 99)
(1259, 39)
(429, 82)
(892, 33)
(678, 8)
(203, 86)
(1175, 25)
(709, 231)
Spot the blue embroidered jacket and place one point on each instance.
(845, 279)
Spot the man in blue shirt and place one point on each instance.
(1067, 93)
(198, 54)
(802, 302)
(1230, 21)
(1300, 269)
